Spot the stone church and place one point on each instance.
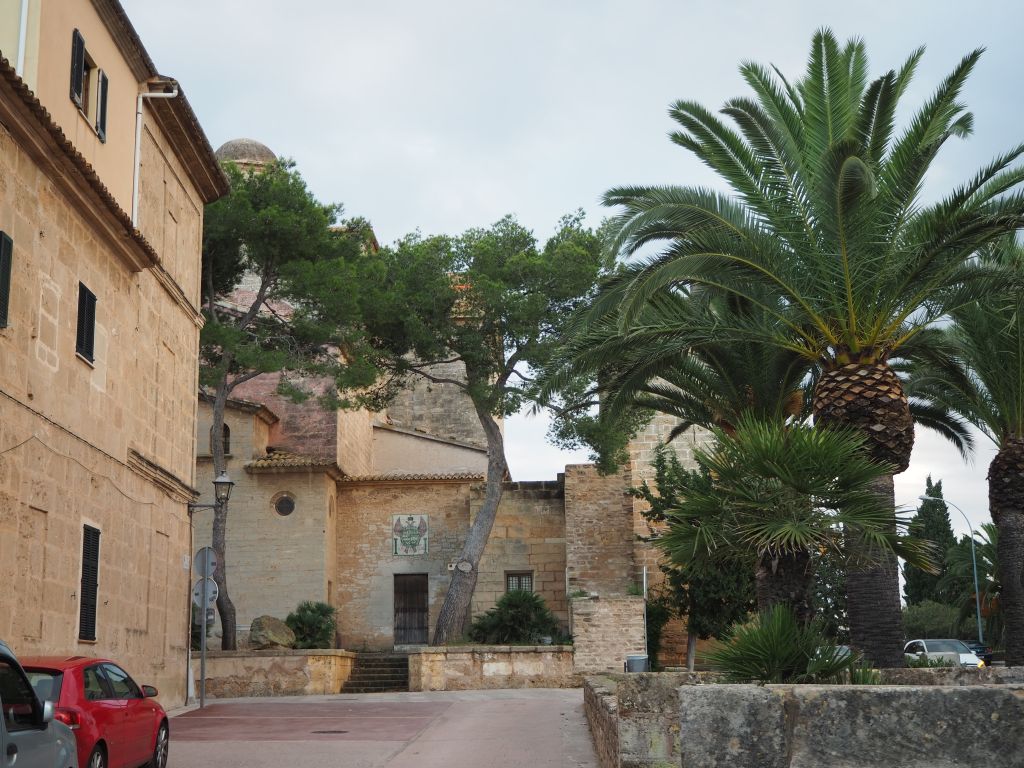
(368, 511)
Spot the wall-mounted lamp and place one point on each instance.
(222, 485)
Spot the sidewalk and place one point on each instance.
(542, 728)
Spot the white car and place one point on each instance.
(955, 652)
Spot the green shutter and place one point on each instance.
(90, 583)
(101, 105)
(6, 265)
(77, 68)
(86, 331)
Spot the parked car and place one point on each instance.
(117, 723)
(30, 737)
(955, 652)
(982, 651)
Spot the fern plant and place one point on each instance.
(314, 624)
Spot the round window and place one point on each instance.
(284, 505)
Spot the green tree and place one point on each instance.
(988, 338)
(829, 596)
(494, 304)
(711, 593)
(783, 495)
(931, 523)
(826, 211)
(929, 618)
(957, 585)
(301, 309)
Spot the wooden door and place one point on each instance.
(411, 609)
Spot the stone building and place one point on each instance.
(369, 511)
(101, 217)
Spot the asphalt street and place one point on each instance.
(535, 728)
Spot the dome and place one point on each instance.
(245, 153)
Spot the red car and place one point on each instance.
(116, 723)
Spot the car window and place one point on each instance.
(46, 683)
(947, 646)
(122, 686)
(915, 647)
(93, 685)
(17, 700)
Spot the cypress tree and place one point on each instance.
(932, 523)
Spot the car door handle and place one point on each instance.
(12, 751)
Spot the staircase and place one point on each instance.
(378, 672)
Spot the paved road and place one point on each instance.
(537, 728)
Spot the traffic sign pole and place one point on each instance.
(205, 565)
(202, 649)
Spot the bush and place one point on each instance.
(929, 663)
(518, 617)
(777, 648)
(314, 624)
(930, 619)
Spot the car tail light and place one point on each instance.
(70, 717)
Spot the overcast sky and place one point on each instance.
(446, 115)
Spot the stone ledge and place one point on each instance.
(270, 652)
(449, 649)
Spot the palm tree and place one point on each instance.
(784, 494)
(826, 213)
(957, 583)
(989, 340)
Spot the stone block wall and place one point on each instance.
(606, 630)
(366, 565)
(478, 667)
(274, 562)
(304, 428)
(528, 536)
(438, 409)
(231, 674)
(858, 726)
(598, 532)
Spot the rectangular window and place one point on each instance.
(20, 707)
(519, 580)
(90, 583)
(86, 339)
(89, 86)
(6, 264)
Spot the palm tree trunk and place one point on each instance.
(454, 614)
(873, 597)
(1006, 503)
(869, 397)
(788, 579)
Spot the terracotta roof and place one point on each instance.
(404, 477)
(287, 459)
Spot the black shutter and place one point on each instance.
(86, 336)
(6, 262)
(101, 106)
(77, 68)
(90, 583)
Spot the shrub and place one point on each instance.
(930, 619)
(777, 648)
(518, 617)
(659, 612)
(314, 624)
(929, 663)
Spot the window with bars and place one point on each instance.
(6, 265)
(519, 580)
(90, 583)
(85, 341)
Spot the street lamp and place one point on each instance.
(974, 560)
(222, 485)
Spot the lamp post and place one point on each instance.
(222, 485)
(974, 560)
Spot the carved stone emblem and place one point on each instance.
(409, 534)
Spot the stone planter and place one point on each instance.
(472, 667)
(285, 672)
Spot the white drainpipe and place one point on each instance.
(138, 143)
(22, 39)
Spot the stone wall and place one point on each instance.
(366, 564)
(606, 630)
(443, 410)
(304, 428)
(598, 531)
(231, 674)
(462, 668)
(109, 442)
(860, 726)
(634, 718)
(528, 536)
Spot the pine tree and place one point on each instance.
(932, 523)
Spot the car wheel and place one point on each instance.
(98, 758)
(160, 750)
